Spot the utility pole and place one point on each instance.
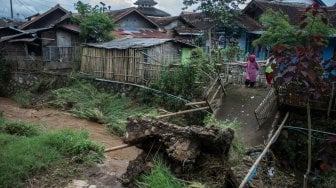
(11, 7)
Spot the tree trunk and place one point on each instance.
(305, 183)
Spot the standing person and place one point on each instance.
(251, 71)
(269, 70)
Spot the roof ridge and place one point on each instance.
(57, 6)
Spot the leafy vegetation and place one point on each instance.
(25, 151)
(300, 64)
(85, 101)
(222, 12)
(159, 176)
(23, 98)
(280, 31)
(237, 150)
(96, 26)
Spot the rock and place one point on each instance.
(78, 184)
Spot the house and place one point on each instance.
(49, 39)
(6, 22)
(252, 28)
(137, 21)
(131, 22)
(189, 27)
(136, 60)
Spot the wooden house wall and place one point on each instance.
(20, 59)
(53, 51)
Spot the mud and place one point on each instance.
(52, 119)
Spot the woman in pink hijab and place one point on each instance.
(251, 71)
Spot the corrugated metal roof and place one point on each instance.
(126, 43)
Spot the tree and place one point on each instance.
(222, 12)
(280, 31)
(299, 66)
(96, 26)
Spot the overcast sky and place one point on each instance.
(24, 8)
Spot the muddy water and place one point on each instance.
(53, 119)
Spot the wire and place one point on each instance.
(317, 131)
(28, 8)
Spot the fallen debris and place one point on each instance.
(188, 150)
(180, 143)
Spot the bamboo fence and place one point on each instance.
(121, 65)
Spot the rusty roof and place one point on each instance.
(197, 20)
(248, 23)
(163, 21)
(141, 33)
(126, 43)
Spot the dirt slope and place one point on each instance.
(53, 120)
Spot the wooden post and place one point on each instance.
(196, 103)
(183, 112)
(305, 177)
(275, 136)
(210, 44)
(331, 98)
(117, 148)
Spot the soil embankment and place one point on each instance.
(52, 119)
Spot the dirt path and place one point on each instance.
(52, 119)
(240, 104)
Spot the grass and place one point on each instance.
(25, 152)
(23, 98)
(160, 176)
(102, 107)
(237, 149)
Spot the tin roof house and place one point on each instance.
(136, 60)
(47, 41)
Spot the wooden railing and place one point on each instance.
(61, 54)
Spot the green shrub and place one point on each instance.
(23, 157)
(237, 149)
(93, 114)
(70, 144)
(99, 106)
(18, 128)
(23, 98)
(160, 176)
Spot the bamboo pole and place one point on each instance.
(117, 148)
(305, 177)
(215, 94)
(196, 103)
(331, 98)
(275, 136)
(183, 112)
